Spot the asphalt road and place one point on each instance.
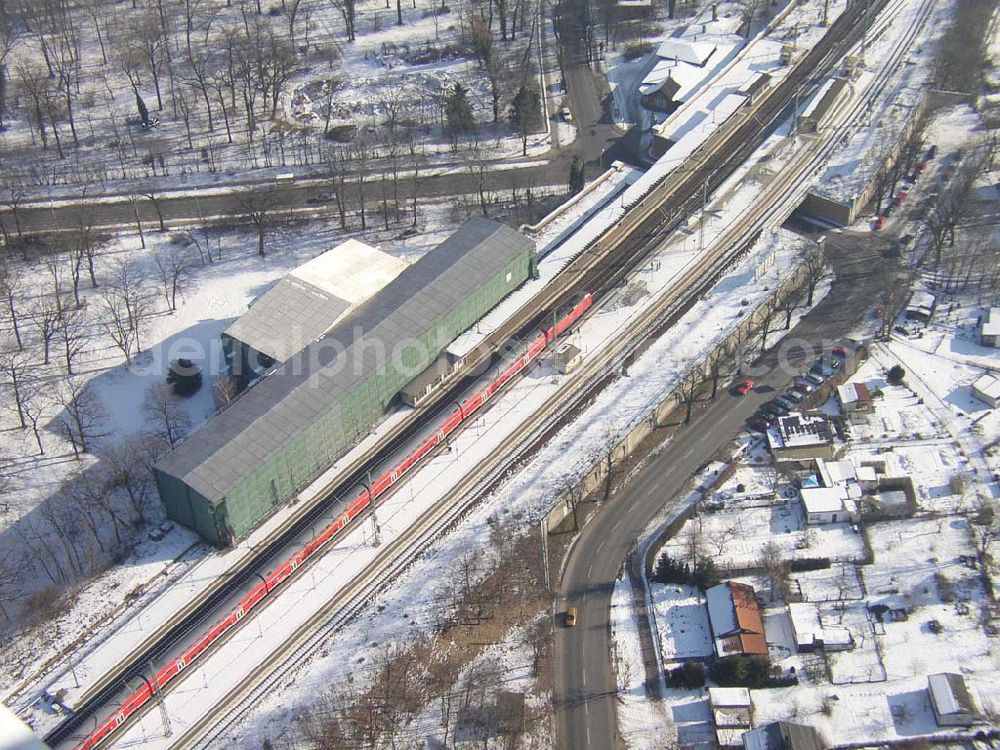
(585, 682)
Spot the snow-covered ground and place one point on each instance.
(387, 85)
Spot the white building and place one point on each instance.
(950, 700)
(825, 505)
(987, 389)
(989, 328)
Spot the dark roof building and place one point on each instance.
(306, 303)
(292, 425)
(783, 735)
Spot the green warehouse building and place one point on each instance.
(289, 428)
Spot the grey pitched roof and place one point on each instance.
(230, 447)
(286, 317)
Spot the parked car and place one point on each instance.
(879, 223)
(571, 617)
(744, 386)
(566, 114)
(840, 351)
(816, 380)
(758, 424)
(773, 407)
(794, 396)
(785, 402)
(804, 387)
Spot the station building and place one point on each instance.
(282, 433)
(304, 305)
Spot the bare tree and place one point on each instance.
(33, 406)
(348, 11)
(83, 416)
(815, 272)
(11, 287)
(175, 272)
(259, 208)
(72, 336)
(127, 306)
(46, 318)
(776, 569)
(15, 365)
(165, 410)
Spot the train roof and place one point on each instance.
(266, 418)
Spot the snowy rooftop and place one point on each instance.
(824, 499)
(310, 300)
(949, 693)
(682, 50)
(988, 384)
(852, 393)
(991, 323)
(737, 697)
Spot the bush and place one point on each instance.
(704, 575)
(896, 374)
(184, 376)
(637, 49)
(809, 563)
(742, 671)
(689, 675)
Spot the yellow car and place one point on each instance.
(571, 617)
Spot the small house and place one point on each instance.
(987, 389)
(921, 306)
(783, 735)
(950, 700)
(735, 619)
(989, 328)
(854, 397)
(568, 357)
(825, 505)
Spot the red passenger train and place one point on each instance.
(284, 571)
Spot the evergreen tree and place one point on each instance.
(458, 113)
(143, 112)
(576, 176)
(184, 377)
(526, 113)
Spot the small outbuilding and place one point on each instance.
(989, 328)
(567, 358)
(921, 306)
(825, 505)
(987, 389)
(732, 715)
(854, 397)
(950, 700)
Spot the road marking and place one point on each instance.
(601, 545)
(615, 527)
(590, 569)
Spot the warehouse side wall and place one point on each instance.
(323, 441)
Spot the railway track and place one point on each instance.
(600, 266)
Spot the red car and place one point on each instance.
(744, 387)
(879, 223)
(839, 351)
